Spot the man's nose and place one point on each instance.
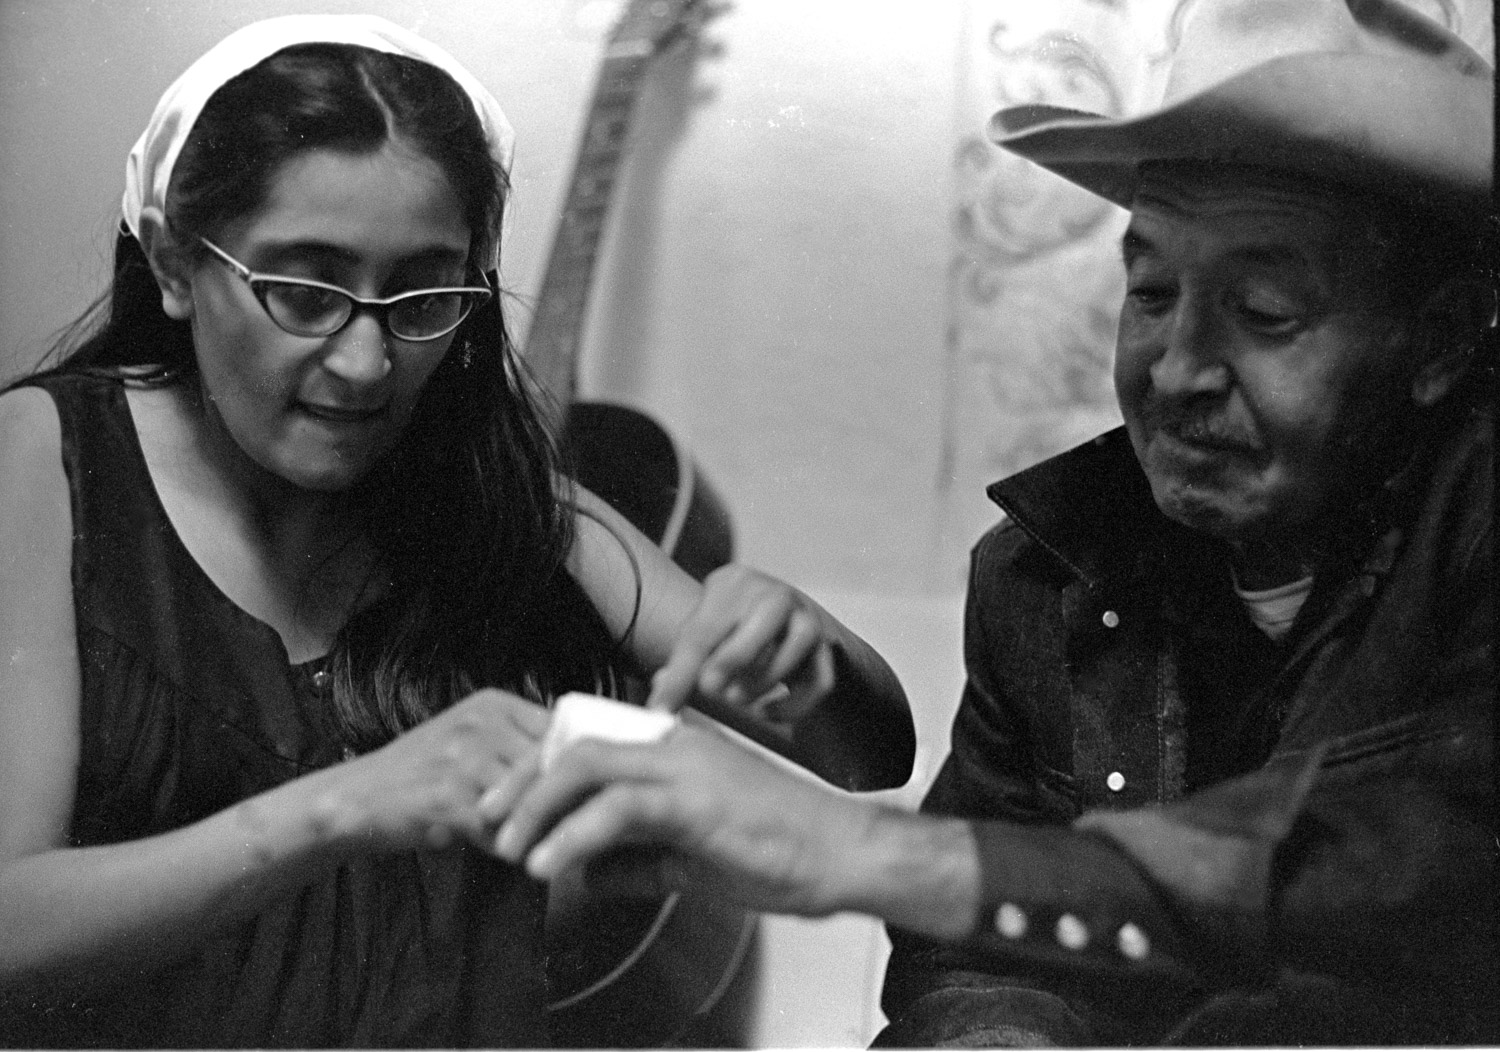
(1192, 359)
(357, 353)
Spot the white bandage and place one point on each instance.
(579, 716)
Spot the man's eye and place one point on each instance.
(1267, 320)
(1150, 298)
(1269, 316)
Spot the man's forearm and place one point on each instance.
(919, 872)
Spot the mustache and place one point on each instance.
(1199, 425)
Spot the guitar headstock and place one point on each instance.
(642, 32)
(647, 26)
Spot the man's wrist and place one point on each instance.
(918, 872)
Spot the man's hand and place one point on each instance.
(693, 808)
(697, 809)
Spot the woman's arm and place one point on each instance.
(74, 912)
(749, 650)
(69, 913)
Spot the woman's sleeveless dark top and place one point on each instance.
(189, 704)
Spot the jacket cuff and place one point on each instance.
(1053, 900)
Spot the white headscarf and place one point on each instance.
(148, 171)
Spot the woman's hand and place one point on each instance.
(423, 789)
(82, 911)
(750, 651)
(694, 808)
(752, 643)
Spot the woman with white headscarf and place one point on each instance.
(302, 570)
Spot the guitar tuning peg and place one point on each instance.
(700, 12)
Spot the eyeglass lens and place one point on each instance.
(308, 310)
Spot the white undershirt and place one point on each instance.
(1274, 609)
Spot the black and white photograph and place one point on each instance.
(748, 524)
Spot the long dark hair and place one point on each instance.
(470, 512)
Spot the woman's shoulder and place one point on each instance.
(91, 406)
(32, 477)
(53, 409)
(55, 424)
(30, 430)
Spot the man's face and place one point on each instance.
(1258, 355)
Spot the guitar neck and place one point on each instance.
(553, 343)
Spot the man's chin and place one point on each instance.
(1209, 511)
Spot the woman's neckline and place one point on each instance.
(311, 663)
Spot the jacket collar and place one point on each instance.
(1092, 509)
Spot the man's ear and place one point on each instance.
(1448, 328)
(169, 263)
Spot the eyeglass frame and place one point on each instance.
(380, 307)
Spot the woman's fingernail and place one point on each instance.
(505, 841)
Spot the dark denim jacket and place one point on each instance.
(1317, 866)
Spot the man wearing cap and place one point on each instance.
(1221, 771)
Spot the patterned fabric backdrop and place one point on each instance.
(1035, 277)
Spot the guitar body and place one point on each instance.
(629, 460)
(638, 973)
(681, 980)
